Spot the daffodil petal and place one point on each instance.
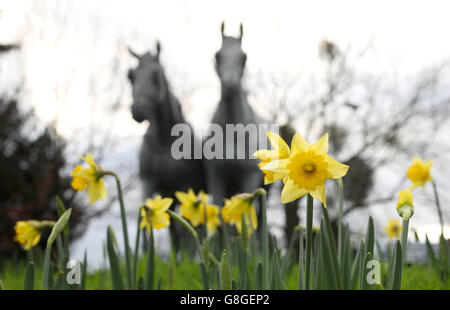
(291, 192)
(319, 193)
(96, 191)
(299, 143)
(335, 169)
(278, 166)
(321, 145)
(278, 143)
(162, 205)
(160, 220)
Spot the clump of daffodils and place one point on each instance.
(154, 213)
(28, 233)
(393, 229)
(90, 178)
(303, 167)
(405, 207)
(419, 172)
(195, 207)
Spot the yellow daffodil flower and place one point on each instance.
(193, 206)
(238, 205)
(212, 219)
(28, 233)
(154, 212)
(393, 229)
(306, 169)
(419, 172)
(405, 207)
(91, 178)
(281, 151)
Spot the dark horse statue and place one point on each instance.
(227, 177)
(153, 101)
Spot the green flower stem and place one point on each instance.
(404, 239)
(124, 228)
(340, 218)
(438, 205)
(46, 276)
(265, 241)
(309, 222)
(136, 248)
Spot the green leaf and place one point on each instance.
(84, 272)
(329, 272)
(136, 247)
(46, 280)
(225, 272)
(309, 222)
(356, 265)
(365, 284)
(59, 283)
(244, 233)
(301, 263)
(113, 260)
(61, 210)
(430, 251)
(2, 287)
(277, 271)
(287, 258)
(331, 248)
(346, 259)
(141, 283)
(29, 277)
(184, 223)
(395, 275)
(58, 227)
(259, 277)
(370, 236)
(149, 279)
(204, 275)
(265, 242)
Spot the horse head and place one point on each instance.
(230, 61)
(150, 86)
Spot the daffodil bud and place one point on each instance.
(405, 207)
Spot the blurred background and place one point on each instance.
(374, 74)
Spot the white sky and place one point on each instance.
(72, 42)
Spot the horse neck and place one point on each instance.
(168, 115)
(234, 108)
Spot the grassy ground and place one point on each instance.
(186, 275)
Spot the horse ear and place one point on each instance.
(133, 53)
(241, 30)
(222, 29)
(158, 48)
